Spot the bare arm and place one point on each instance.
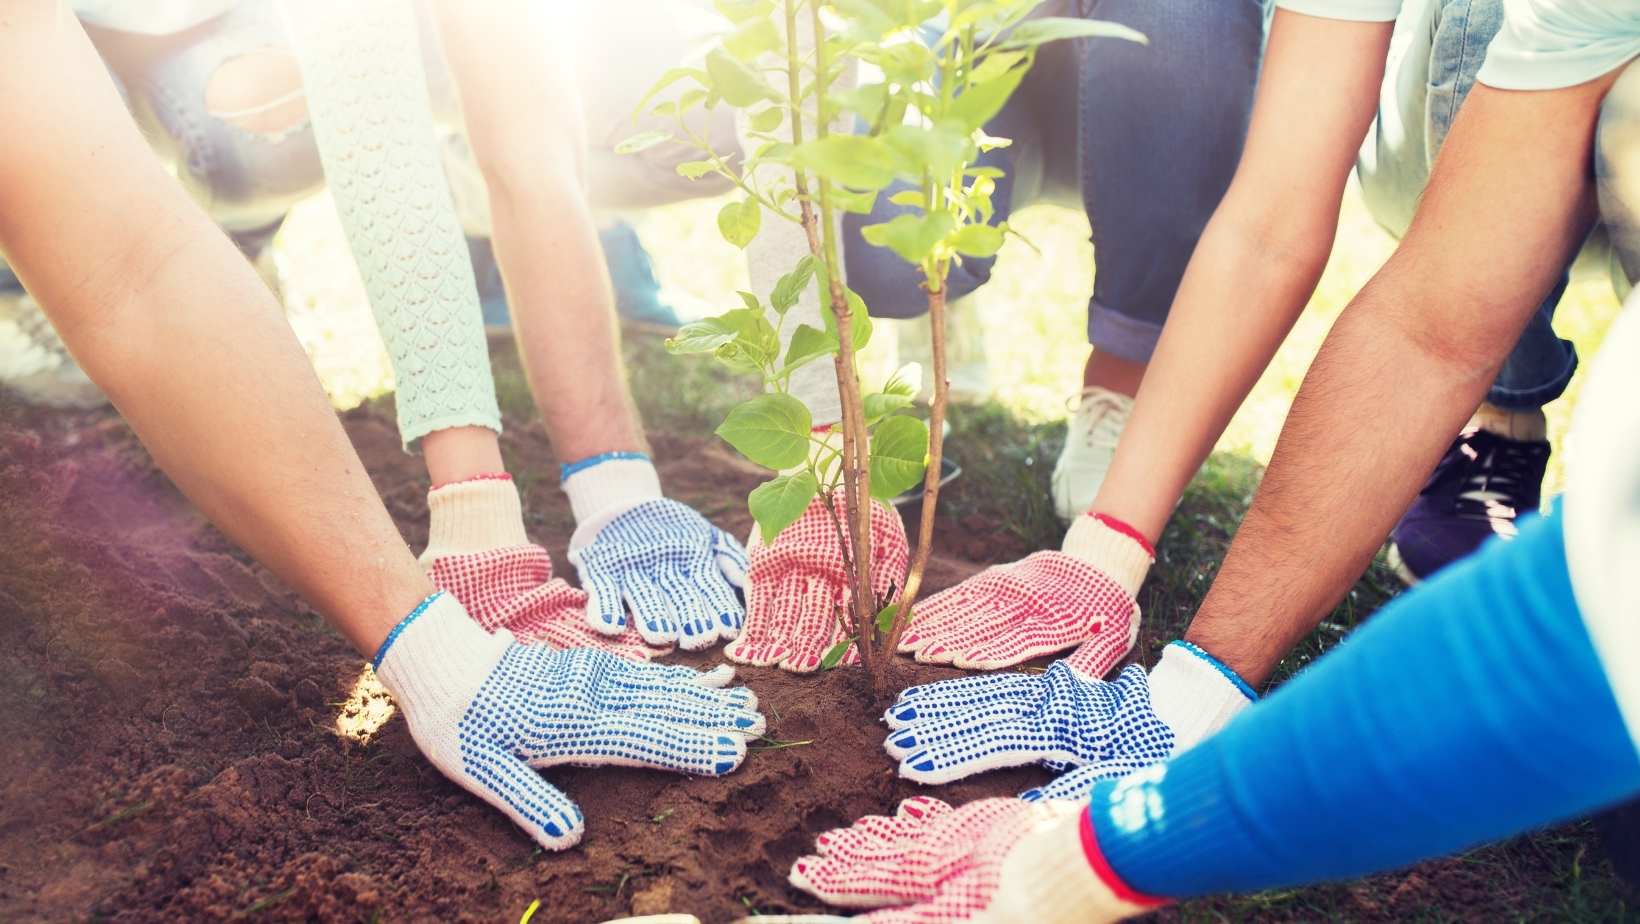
(1258, 260)
(524, 121)
(166, 316)
(1510, 199)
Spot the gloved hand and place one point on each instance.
(797, 587)
(1064, 717)
(489, 712)
(678, 573)
(1046, 602)
(477, 551)
(995, 860)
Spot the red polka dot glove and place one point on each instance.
(995, 860)
(796, 587)
(478, 553)
(1039, 605)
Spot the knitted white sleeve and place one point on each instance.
(367, 96)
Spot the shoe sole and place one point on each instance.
(1399, 566)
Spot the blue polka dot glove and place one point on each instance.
(489, 712)
(955, 728)
(679, 574)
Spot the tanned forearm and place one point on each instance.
(1509, 201)
(526, 129)
(167, 317)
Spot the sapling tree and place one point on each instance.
(940, 70)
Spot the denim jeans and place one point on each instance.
(1438, 50)
(1144, 138)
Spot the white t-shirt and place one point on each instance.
(1603, 509)
(1543, 45)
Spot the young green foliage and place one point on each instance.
(942, 69)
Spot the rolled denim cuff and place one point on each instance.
(1122, 336)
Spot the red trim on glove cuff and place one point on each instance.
(1125, 530)
(484, 476)
(1096, 861)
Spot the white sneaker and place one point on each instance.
(34, 363)
(1090, 444)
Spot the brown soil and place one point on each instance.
(168, 747)
(167, 715)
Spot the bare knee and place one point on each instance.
(260, 92)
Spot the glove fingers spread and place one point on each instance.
(854, 884)
(1014, 639)
(573, 632)
(816, 630)
(725, 614)
(980, 721)
(631, 741)
(998, 617)
(943, 758)
(696, 619)
(606, 606)
(731, 558)
(512, 786)
(949, 698)
(652, 607)
(694, 705)
(1076, 784)
(771, 612)
(931, 615)
(1096, 657)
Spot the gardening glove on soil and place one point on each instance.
(798, 589)
(995, 860)
(477, 550)
(488, 712)
(1064, 717)
(634, 548)
(1046, 602)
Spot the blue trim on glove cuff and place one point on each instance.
(1219, 666)
(570, 468)
(376, 662)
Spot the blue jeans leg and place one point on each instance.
(1161, 128)
(1423, 90)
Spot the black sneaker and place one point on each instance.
(1483, 483)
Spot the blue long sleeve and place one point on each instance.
(1467, 710)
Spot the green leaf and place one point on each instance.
(703, 336)
(695, 169)
(808, 344)
(859, 318)
(739, 85)
(994, 65)
(742, 358)
(754, 37)
(790, 287)
(977, 240)
(937, 149)
(1053, 28)
(903, 62)
(642, 142)
(769, 119)
(851, 160)
(897, 384)
(857, 203)
(885, 618)
(771, 430)
(913, 237)
(866, 100)
(742, 10)
(980, 103)
(776, 504)
(666, 79)
(739, 221)
(750, 301)
(899, 455)
(834, 654)
(910, 198)
(882, 404)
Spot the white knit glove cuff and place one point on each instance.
(1116, 554)
(1195, 694)
(1047, 878)
(473, 516)
(433, 662)
(610, 488)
